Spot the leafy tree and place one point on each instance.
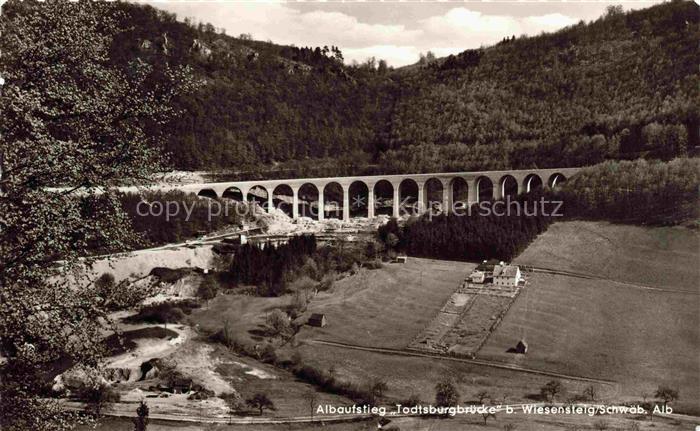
(483, 395)
(551, 389)
(312, 399)
(667, 394)
(105, 282)
(207, 288)
(446, 394)
(378, 386)
(590, 393)
(278, 322)
(96, 396)
(234, 402)
(141, 419)
(70, 120)
(260, 401)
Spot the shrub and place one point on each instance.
(302, 283)
(378, 386)
(164, 312)
(208, 288)
(373, 264)
(105, 281)
(269, 354)
(327, 281)
(412, 401)
(278, 323)
(260, 401)
(168, 275)
(666, 394)
(446, 393)
(551, 389)
(97, 395)
(141, 419)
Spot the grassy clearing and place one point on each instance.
(602, 329)
(606, 329)
(664, 257)
(386, 307)
(407, 375)
(245, 315)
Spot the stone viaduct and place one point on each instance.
(475, 186)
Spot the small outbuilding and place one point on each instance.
(521, 347)
(477, 277)
(318, 320)
(400, 259)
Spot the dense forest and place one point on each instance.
(174, 216)
(639, 191)
(622, 87)
(259, 103)
(268, 266)
(473, 235)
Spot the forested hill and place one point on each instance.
(261, 103)
(624, 86)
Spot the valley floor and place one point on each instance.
(609, 326)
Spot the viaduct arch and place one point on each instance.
(368, 196)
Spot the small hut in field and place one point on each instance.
(318, 320)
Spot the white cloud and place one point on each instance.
(393, 54)
(400, 44)
(461, 24)
(470, 29)
(549, 22)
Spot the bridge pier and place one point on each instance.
(370, 200)
(346, 202)
(497, 188)
(295, 203)
(420, 205)
(321, 205)
(472, 192)
(446, 198)
(395, 201)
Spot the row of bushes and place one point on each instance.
(368, 393)
(295, 266)
(164, 312)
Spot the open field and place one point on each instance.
(406, 375)
(386, 307)
(593, 328)
(607, 329)
(597, 328)
(664, 257)
(245, 314)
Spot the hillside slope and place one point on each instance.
(612, 327)
(623, 86)
(260, 103)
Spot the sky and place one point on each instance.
(397, 32)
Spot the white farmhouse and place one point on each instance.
(506, 275)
